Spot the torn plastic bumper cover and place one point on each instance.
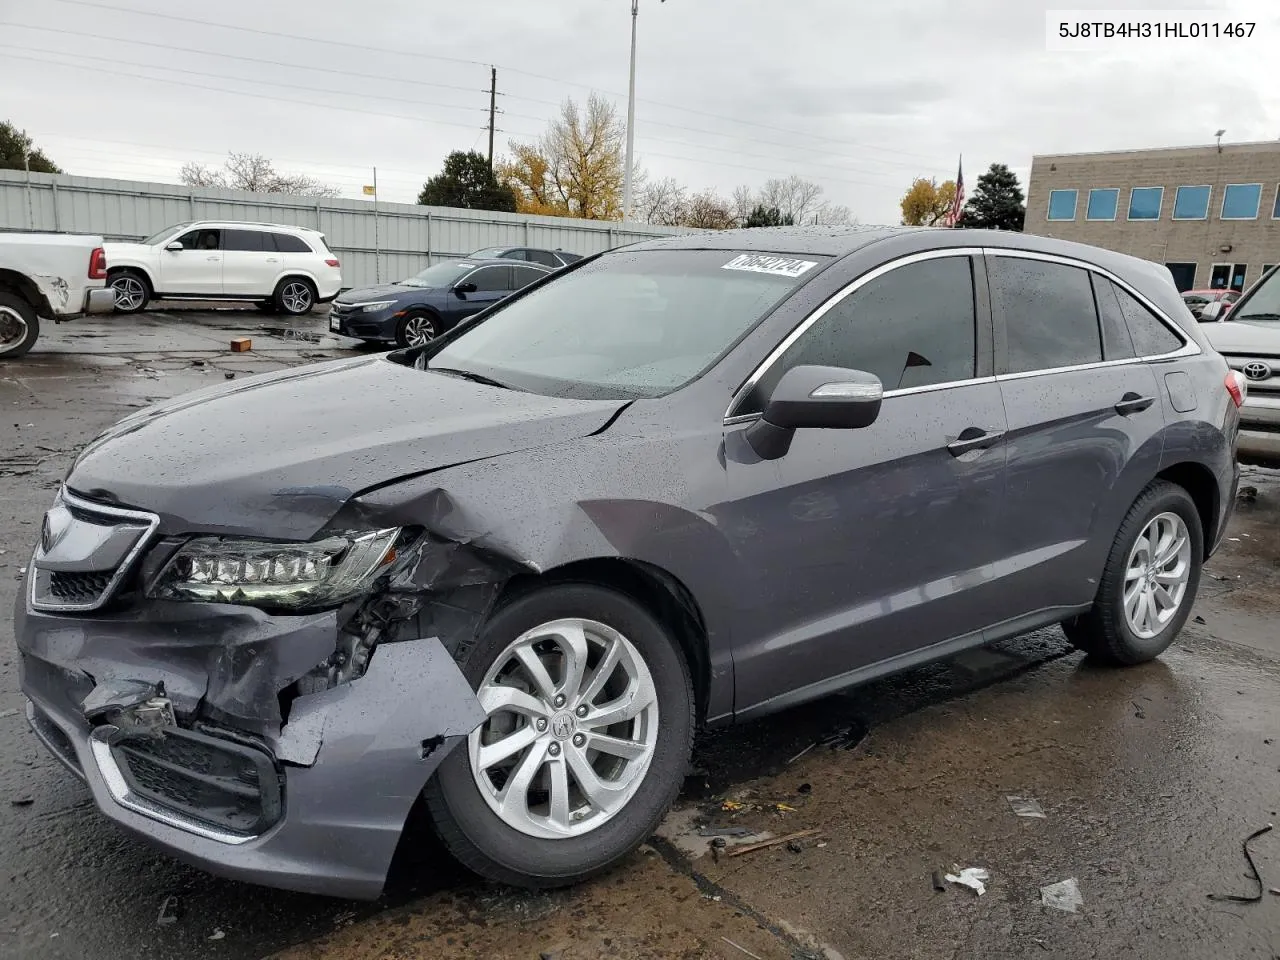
(350, 759)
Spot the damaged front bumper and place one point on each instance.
(170, 713)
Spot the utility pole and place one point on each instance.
(493, 109)
(377, 248)
(631, 119)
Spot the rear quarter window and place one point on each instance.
(290, 243)
(1151, 337)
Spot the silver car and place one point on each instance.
(1250, 340)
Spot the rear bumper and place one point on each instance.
(99, 300)
(350, 760)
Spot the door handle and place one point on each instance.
(273, 259)
(213, 259)
(973, 438)
(1133, 403)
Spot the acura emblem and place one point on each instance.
(1257, 370)
(54, 527)
(561, 726)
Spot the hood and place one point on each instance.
(123, 249)
(1240, 336)
(379, 292)
(277, 455)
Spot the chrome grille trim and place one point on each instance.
(105, 512)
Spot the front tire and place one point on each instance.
(417, 329)
(1149, 582)
(589, 730)
(132, 291)
(294, 296)
(19, 325)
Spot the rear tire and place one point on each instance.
(19, 325)
(132, 290)
(1149, 582)
(580, 808)
(294, 296)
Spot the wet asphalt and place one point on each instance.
(1149, 778)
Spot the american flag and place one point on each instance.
(953, 215)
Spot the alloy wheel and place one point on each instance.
(1156, 575)
(296, 297)
(419, 331)
(571, 730)
(130, 293)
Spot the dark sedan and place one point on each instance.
(555, 259)
(415, 311)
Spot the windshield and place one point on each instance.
(630, 325)
(157, 237)
(441, 275)
(1262, 305)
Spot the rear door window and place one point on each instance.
(1049, 316)
(914, 326)
(1151, 338)
(525, 276)
(246, 240)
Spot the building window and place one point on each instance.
(1228, 276)
(1062, 204)
(1102, 204)
(1145, 203)
(1240, 201)
(1275, 207)
(1191, 203)
(1184, 275)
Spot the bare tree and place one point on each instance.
(662, 202)
(257, 174)
(744, 201)
(709, 211)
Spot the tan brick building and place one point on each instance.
(1212, 216)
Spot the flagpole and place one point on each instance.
(377, 252)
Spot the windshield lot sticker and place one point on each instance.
(761, 263)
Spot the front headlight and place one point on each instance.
(376, 305)
(292, 575)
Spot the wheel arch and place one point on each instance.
(1201, 485)
(23, 286)
(118, 268)
(661, 593)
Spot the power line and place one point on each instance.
(383, 51)
(492, 92)
(332, 106)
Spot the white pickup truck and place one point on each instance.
(55, 276)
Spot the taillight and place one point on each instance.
(1238, 387)
(98, 264)
(332, 263)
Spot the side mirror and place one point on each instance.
(814, 398)
(173, 246)
(1212, 312)
(464, 288)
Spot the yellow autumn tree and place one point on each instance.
(575, 169)
(926, 203)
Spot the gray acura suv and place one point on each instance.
(687, 482)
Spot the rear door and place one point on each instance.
(522, 276)
(862, 546)
(247, 268)
(196, 269)
(1085, 424)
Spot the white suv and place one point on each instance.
(278, 267)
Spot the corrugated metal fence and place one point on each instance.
(398, 241)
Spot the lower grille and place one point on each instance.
(79, 587)
(212, 781)
(57, 741)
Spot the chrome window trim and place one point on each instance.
(1189, 347)
(118, 787)
(848, 290)
(152, 522)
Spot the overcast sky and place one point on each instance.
(860, 97)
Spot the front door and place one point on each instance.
(196, 268)
(1085, 424)
(859, 546)
(492, 284)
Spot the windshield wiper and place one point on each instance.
(473, 377)
(1256, 316)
